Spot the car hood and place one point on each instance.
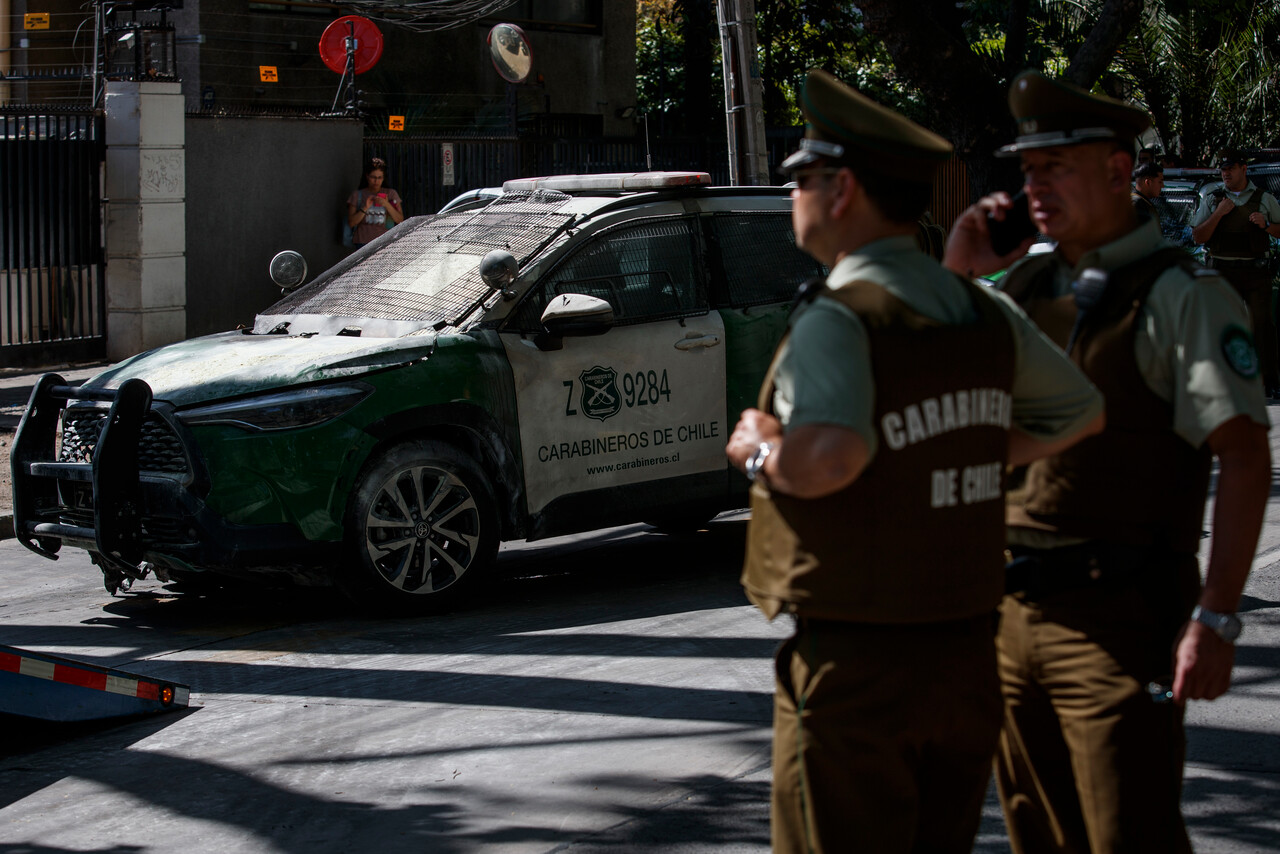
(233, 364)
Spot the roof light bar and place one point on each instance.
(609, 181)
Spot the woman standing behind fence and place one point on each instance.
(373, 208)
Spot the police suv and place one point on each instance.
(570, 355)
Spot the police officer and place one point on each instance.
(1236, 222)
(1107, 630)
(1148, 182)
(876, 455)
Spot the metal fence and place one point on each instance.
(52, 275)
(415, 165)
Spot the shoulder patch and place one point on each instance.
(1241, 355)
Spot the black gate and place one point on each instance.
(52, 270)
(414, 164)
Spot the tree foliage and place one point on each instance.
(1205, 69)
(679, 68)
(1208, 74)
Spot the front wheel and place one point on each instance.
(422, 526)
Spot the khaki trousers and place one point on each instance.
(1088, 762)
(883, 737)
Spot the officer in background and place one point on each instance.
(885, 422)
(1148, 182)
(1150, 154)
(1107, 630)
(1236, 223)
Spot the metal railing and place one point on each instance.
(52, 275)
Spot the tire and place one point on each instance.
(422, 528)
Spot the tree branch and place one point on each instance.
(966, 101)
(1116, 21)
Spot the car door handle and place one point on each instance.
(694, 340)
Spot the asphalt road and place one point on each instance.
(609, 693)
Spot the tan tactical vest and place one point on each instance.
(918, 537)
(1236, 237)
(1137, 482)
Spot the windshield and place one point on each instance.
(424, 274)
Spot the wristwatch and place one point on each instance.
(755, 462)
(1225, 626)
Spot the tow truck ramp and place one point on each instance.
(36, 685)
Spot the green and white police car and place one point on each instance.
(570, 356)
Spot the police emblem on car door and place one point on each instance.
(643, 402)
(600, 398)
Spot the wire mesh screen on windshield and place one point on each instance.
(430, 271)
(1176, 210)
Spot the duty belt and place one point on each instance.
(1236, 263)
(1036, 573)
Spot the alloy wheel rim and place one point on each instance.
(422, 530)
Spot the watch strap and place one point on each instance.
(755, 462)
(1225, 626)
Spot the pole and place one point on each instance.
(99, 55)
(731, 107)
(648, 159)
(348, 82)
(743, 93)
(755, 157)
(4, 50)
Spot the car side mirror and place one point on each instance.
(288, 269)
(573, 315)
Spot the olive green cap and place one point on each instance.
(1051, 113)
(844, 125)
(1229, 157)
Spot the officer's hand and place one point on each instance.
(969, 251)
(753, 428)
(1202, 664)
(1259, 219)
(1224, 207)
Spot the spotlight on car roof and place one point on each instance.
(498, 270)
(288, 269)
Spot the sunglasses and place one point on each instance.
(802, 176)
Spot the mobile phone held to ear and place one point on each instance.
(1008, 234)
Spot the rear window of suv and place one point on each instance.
(761, 261)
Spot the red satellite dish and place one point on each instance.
(333, 44)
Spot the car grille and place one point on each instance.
(159, 449)
(157, 529)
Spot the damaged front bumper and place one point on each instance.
(119, 481)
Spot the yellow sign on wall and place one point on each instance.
(396, 123)
(267, 74)
(35, 21)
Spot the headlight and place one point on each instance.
(304, 407)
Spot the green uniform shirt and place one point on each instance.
(1179, 342)
(824, 372)
(1266, 202)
